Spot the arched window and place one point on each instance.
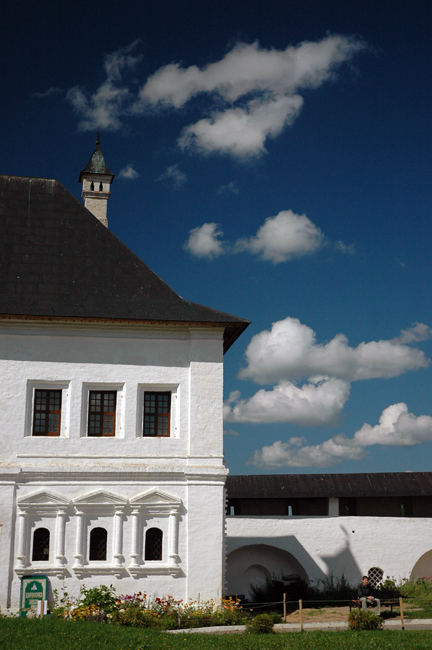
(41, 539)
(153, 544)
(100, 187)
(98, 544)
(375, 575)
(92, 186)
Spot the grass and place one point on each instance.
(55, 634)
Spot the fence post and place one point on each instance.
(284, 607)
(402, 614)
(301, 615)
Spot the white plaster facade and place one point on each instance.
(315, 547)
(71, 483)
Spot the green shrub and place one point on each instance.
(335, 588)
(103, 598)
(261, 624)
(358, 620)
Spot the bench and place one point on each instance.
(385, 601)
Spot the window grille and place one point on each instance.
(98, 544)
(153, 544)
(41, 540)
(157, 408)
(47, 412)
(375, 575)
(102, 413)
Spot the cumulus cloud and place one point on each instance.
(251, 94)
(289, 454)
(289, 351)
(105, 107)
(283, 237)
(279, 239)
(204, 241)
(174, 175)
(241, 132)
(317, 402)
(128, 172)
(397, 428)
(258, 89)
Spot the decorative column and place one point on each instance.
(22, 535)
(173, 537)
(79, 540)
(60, 538)
(117, 555)
(135, 544)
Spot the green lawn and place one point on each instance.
(22, 634)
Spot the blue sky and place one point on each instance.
(272, 160)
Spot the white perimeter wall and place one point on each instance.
(324, 545)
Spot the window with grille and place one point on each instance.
(157, 411)
(375, 575)
(153, 544)
(102, 412)
(41, 540)
(98, 544)
(47, 412)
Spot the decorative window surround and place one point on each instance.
(144, 507)
(174, 409)
(87, 388)
(99, 503)
(32, 386)
(45, 504)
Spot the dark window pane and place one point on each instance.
(102, 412)
(98, 544)
(41, 538)
(153, 544)
(47, 412)
(157, 411)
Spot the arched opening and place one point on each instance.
(98, 544)
(255, 563)
(423, 567)
(41, 540)
(92, 186)
(153, 544)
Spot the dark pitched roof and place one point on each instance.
(57, 260)
(96, 164)
(278, 486)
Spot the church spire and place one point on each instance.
(96, 181)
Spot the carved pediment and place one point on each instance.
(100, 498)
(43, 500)
(155, 501)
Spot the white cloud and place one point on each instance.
(241, 132)
(260, 89)
(318, 402)
(283, 237)
(287, 454)
(229, 188)
(289, 351)
(106, 106)
(128, 172)
(248, 68)
(204, 241)
(397, 427)
(279, 239)
(252, 93)
(174, 175)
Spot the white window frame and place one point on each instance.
(120, 409)
(174, 414)
(32, 386)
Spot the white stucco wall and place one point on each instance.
(325, 545)
(57, 473)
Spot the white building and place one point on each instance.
(315, 525)
(112, 468)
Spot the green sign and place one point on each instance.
(33, 589)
